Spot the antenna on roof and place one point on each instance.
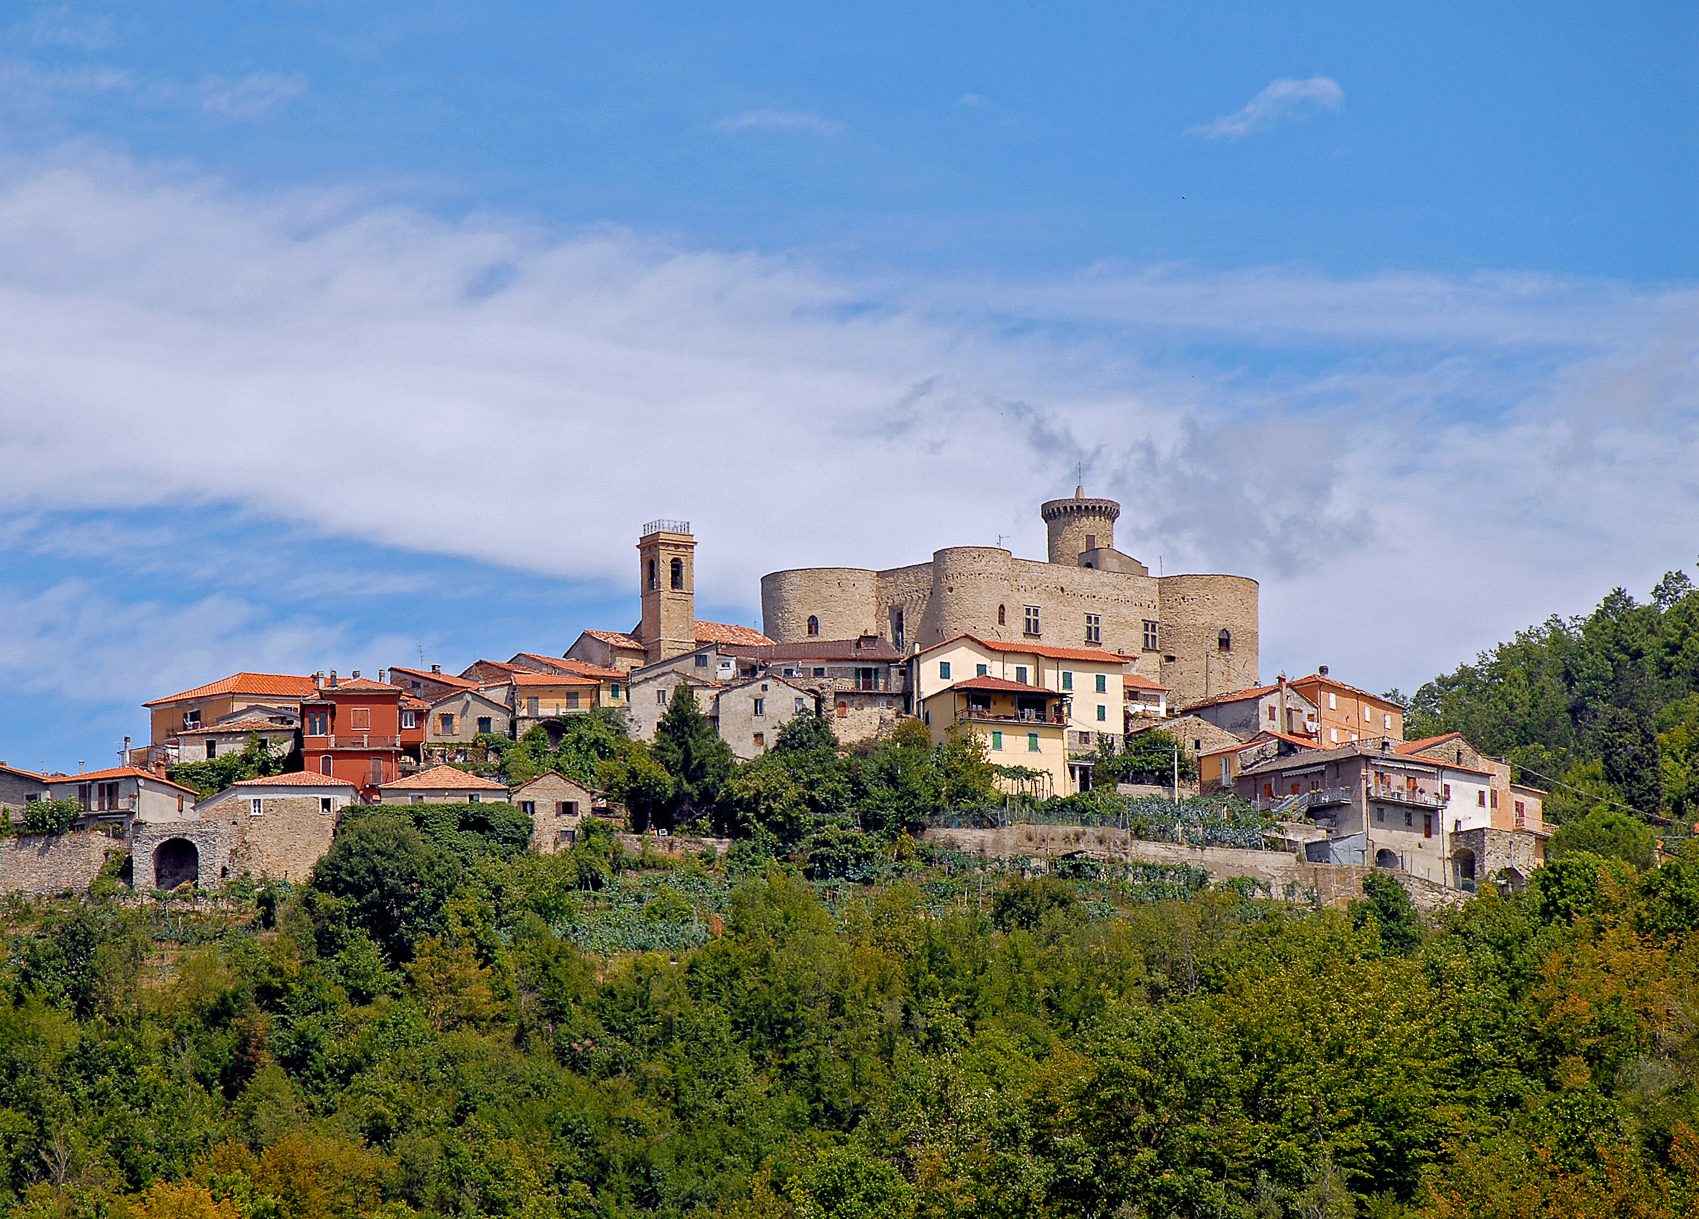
(421, 655)
(1000, 538)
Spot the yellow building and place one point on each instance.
(1091, 683)
(1021, 725)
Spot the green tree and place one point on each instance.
(1630, 751)
(1607, 833)
(255, 760)
(635, 779)
(50, 816)
(389, 881)
(694, 755)
(1386, 906)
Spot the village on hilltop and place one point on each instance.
(1045, 663)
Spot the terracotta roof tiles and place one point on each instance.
(269, 685)
(294, 778)
(443, 778)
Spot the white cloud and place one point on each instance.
(248, 96)
(243, 97)
(1279, 100)
(1447, 458)
(971, 99)
(59, 25)
(798, 121)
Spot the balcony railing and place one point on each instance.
(1417, 797)
(986, 714)
(352, 740)
(665, 526)
(1296, 803)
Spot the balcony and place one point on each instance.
(1298, 803)
(1415, 797)
(986, 715)
(352, 740)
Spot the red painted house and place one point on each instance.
(351, 729)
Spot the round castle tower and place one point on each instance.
(1079, 524)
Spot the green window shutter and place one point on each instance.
(944, 670)
(1102, 712)
(1032, 742)
(1067, 679)
(996, 739)
(1102, 683)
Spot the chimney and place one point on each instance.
(1322, 671)
(333, 679)
(381, 680)
(436, 668)
(355, 673)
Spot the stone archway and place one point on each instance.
(1463, 863)
(176, 862)
(1386, 860)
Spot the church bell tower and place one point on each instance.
(666, 554)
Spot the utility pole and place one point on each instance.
(1176, 774)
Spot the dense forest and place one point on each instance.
(1602, 710)
(443, 1023)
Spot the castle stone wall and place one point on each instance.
(844, 599)
(1195, 610)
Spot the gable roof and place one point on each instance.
(566, 664)
(447, 679)
(266, 685)
(249, 724)
(617, 639)
(443, 778)
(357, 685)
(456, 695)
(18, 770)
(293, 778)
(1428, 742)
(1232, 696)
(877, 652)
(1135, 682)
(1265, 736)
(118, 772)
(728, 632)
(1086, 655)
(551, 774)
(526, 678)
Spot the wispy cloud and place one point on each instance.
(971, 99)
(249, 96)
(170, 341)
(59, 25)
(243, 97)
(799, 121)
(1282, 99)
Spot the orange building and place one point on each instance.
(199, 707)
(351, 729)
(1346, 713)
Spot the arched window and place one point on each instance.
(678, 573)
(813, 625)
(1224, 641)
(654, 575)
(1002, 616)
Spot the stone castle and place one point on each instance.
(1196, 634)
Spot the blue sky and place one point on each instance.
(338, 333)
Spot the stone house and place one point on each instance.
(429, 685)
(18, 787)
(1503, 805)
(557, 806)
(441, 785)
(538, 698)
(651, 693)
(611, 682)
(457, 717)
(1278, 707)
(1220, 767)
(274, 726)
(1196, 736)
(607, 650)
(281, 825)
(862, 683)
(749, 713)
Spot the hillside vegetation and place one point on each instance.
(445, 1024)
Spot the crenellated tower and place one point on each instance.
(1079, 525)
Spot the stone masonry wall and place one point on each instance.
(1285, 876)
(284, 842)
(39, 865)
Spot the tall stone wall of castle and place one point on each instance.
(1194, 612)
(845, 600)
(40, 865)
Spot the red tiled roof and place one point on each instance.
(1316, 679)
(444, 778)
(1263, 737)
(409, 703)
(118, 772)
(478, 692)
(618, 639)
(581, 667)
(500, 666)
(552, 679)
(728, 632)
(18, 770)
(1088, 655)
(998, 684)
(826, 651)
(271, 685)
(294, 778)
(1134, 682)
(358, 685)
(447, 679)
(244, 725)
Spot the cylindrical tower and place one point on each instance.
(819, 602)
(1209, 635)
(1079, 524)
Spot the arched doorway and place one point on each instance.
(1386, 859)
(1463, 863)
(176, 861)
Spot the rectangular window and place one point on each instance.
(819, 670)
(572, 702)
(1067, 679)
(473, 798)
(1427, 825)
(318, 723)
(613, 692)
(1388, 721)
(324, 764)
(799, 706)
(445, 723)
(760, 707)
(531, 705)
(1447, 790)
(256, 807)
(1103, 683)
(211, 749)
(1093, 628)
(1150, 636)
(943, 670)
(1271, 715)
(486, 723)
(409, 719)
(1495, 798)
(1333, 735)
(661, 697)
(1521, 808)
(1332, 701)
(324, 806)
(360, 719)
(528, 807)
(1380, 814)
(1032, 620)
(1032, 742)
(1020, 674)
(997, 739)
(1102, 713)
(981, 670)
(701, 660)
(192, 719)
(1480, 799)
(760, 740)
(1407, 816)
(377, 771)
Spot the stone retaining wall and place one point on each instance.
(43, 864)
(1283, 875)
